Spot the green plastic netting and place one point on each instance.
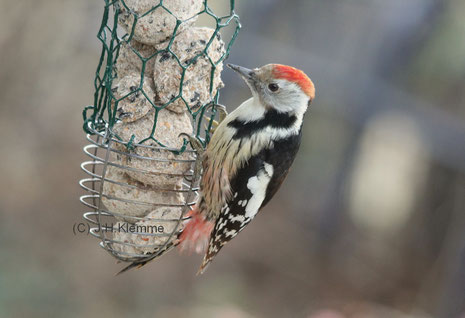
(103, 113)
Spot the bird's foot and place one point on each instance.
(199, 149)
(222, 113)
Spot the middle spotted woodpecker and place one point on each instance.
(248, 157)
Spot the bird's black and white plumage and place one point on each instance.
(249, 155)
(253, 186)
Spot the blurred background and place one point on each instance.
(370, 222)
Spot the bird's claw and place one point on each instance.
(196, 145)
(222, 113)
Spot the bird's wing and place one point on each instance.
(252, 187)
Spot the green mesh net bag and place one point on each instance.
(157, 80)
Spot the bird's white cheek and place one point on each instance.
(290, 98)
(291, 102)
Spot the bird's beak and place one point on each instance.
(247, 74)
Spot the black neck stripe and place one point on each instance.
(271, 119)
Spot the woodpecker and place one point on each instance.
(248, 156)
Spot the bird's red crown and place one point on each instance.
(295, 75)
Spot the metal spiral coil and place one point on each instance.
(101, 150)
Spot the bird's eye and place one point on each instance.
(273, 87)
